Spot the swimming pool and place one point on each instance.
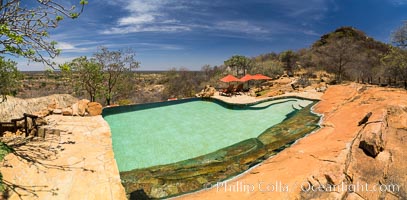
(171, 133)
(171, 148)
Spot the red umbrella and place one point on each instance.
(247, 77)
(229, 78)
(260, 77)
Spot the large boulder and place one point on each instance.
(82, 106)
(371, 141)
(94, 108)
(208, 91)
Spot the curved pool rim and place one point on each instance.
(134, 107)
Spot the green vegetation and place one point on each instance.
(24, 31)
(239, 63)
(107, 74)
(88, 76)
(399, 37)
(347, 53)
(9, 78)
(117, 67)
(4, 150)
(289, 59)
(182, 83)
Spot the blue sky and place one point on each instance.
(192, 33)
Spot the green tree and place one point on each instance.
(117, 67)
(395, 65)
(211, 75)
(337, 55)
(289, 59)
(9, 78)
(24, 27)
(86, 74)
(272, 68)
(399, 36)
(181, 83)
(239, 63)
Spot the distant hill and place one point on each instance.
(355, 34)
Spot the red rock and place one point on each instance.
(94, 108)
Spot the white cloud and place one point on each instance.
(69, 47)
(311, 32)
(134, 20)
(145, 16)
(155, 46)
(311, 9)
(399, 2)
(199, 15)
(240, 26)
(65, 46)
(139, 28)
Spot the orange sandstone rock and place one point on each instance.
(94, 108)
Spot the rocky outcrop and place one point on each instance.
(379, 160)
(373, 166)
(371, 141)
(80, 108)
(207, 92)
(14, 108)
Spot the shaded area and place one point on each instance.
(38, 153)
(287, 132)
(204, 171)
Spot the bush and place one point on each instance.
(123, 102)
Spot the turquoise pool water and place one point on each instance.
(168, 134)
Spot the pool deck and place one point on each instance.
(245, 99)
(77, 163)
